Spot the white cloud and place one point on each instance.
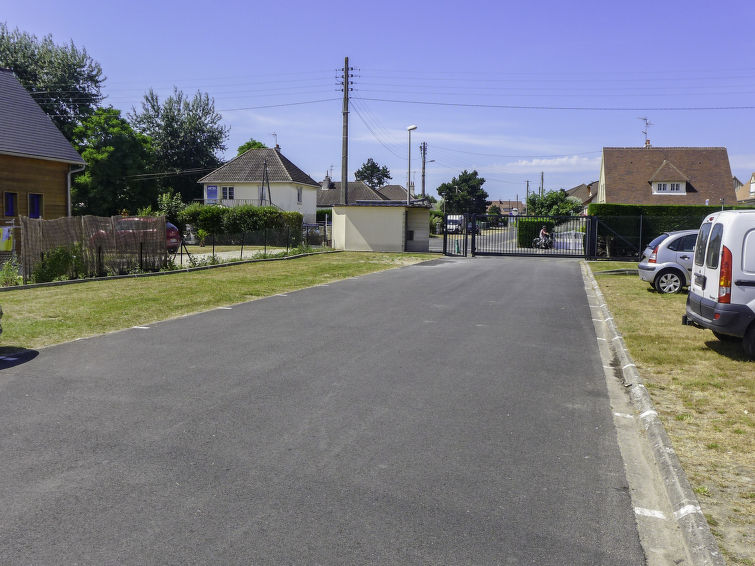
(566, 164)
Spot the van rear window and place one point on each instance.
(714, 246)
(702, 241)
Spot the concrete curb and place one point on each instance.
(699, 541)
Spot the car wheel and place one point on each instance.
(748, 342)
(669, 281)
(726, 337)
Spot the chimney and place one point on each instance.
(325, 183)
(277, 148)
(647, 144)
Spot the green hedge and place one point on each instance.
(632, 225)
(238, 219)
(322, 212)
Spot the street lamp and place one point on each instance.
(409, 175)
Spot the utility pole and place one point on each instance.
(423, 152)
(528, 195)
(345, 139)
(542, 183)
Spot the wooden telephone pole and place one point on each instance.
(345, 139)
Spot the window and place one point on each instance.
(670, 188)
(298, 195)
(675, 187)
(702, 241)
(10, 204)
(35, 206)
(661, 188)
(714, 246)
(228, 193)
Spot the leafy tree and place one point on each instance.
(494, 209)
(115, 155)
(553, 203)
(464, 194)
(186, 136)
(170, 205)
(372, 174)
(251, 144)
(63, 79)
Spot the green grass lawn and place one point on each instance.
(49, 315)
(704, 391)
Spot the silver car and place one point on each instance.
(667, 261)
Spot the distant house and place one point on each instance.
(330, 193)
(665, 175)
(508, 206)
(36, 159)
(584, 192)
(245, 180)
(746, 192)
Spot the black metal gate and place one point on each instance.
(484, 234)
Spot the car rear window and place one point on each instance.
(683, 243)
(702, 241)
(657, 240)
(714, 246)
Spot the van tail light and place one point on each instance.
(654, 255)
(724, 281)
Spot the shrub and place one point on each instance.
(9, 273)
(61, 263)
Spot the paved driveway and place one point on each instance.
(453, 412)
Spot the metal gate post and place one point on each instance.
(474, 231)
(445, 235)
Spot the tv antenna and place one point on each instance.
(648, 123)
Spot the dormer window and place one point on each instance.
(670, 188)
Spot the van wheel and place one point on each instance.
(726, 337)
(669, 281)
(748, 342)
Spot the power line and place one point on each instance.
(586, 108)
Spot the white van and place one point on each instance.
(722, 291)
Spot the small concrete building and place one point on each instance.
(382, 226)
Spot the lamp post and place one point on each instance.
(409, 175)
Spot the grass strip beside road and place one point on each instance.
(704, 392)
(50, 315)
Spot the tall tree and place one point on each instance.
(186, 134)
(116, 157)
(553, 203)
(63, 79)
(251, 144)
(464, 194)
(372, 174)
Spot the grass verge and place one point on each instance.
(43, 316)
(704, 392)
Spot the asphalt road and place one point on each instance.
(453, 412)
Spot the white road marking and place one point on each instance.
(142, 327)
(624, 415)
(224, 308)
(649, 513)
(686, 510)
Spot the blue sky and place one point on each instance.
(507, 89)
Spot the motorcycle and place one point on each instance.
(544, 243)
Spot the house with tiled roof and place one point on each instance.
(36, 159)
(746, 192)
(508, 206)
(665, 175)
(262, 177)
(585, 192)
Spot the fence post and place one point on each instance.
(98, 268)
(288, 237)
(141, 254)
(639, 247)
(243, 237)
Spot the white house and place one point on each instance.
(262, 177)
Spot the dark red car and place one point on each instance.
(173, 237)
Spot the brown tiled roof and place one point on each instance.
(506, 205)
(629, 171)
(746, 193)
(358, 190)
(249, 167)
(393, 192)
(583, 192)
(668, 172)
(25, 129)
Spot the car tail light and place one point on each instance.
(654, 255)
(724, 280)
